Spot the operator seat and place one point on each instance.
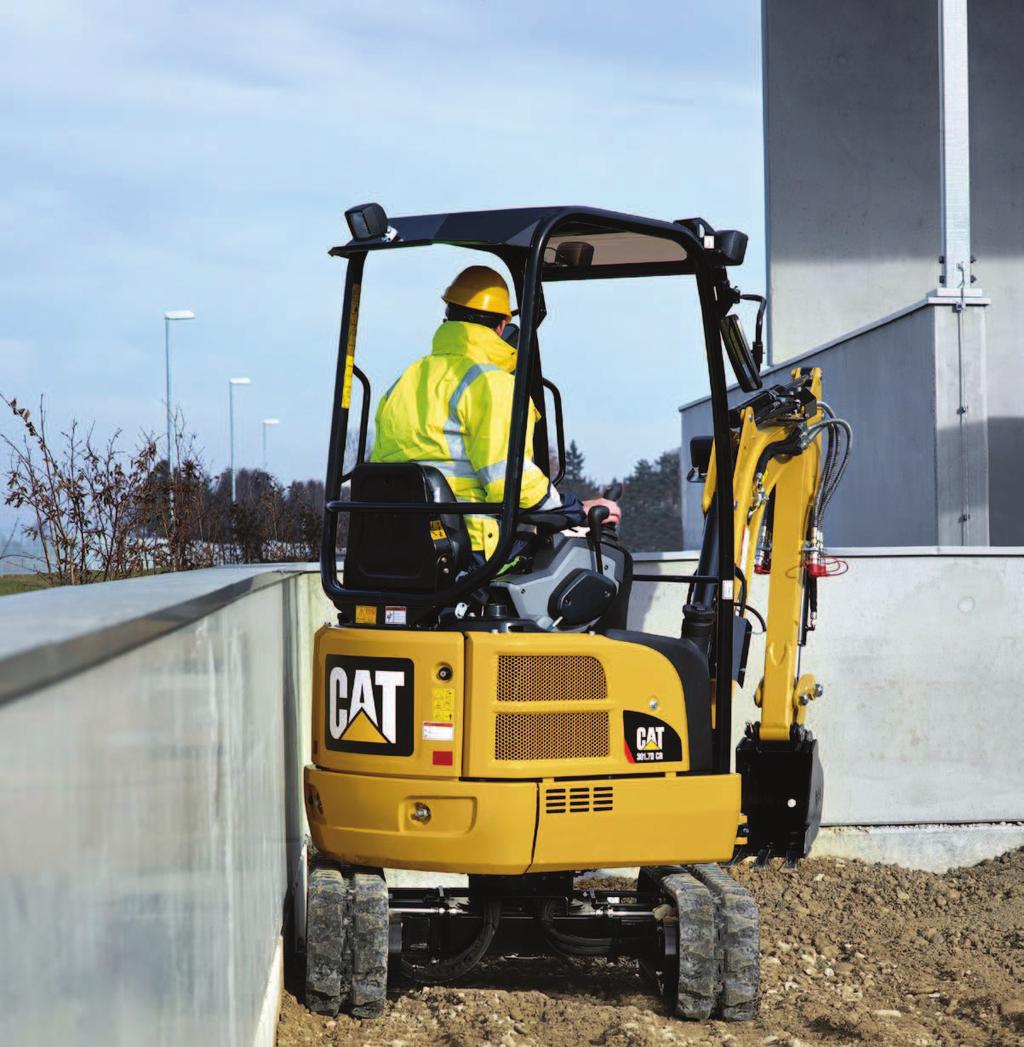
(403, 551)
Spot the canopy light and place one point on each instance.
(367, 221)
(271, 421)
(731, 244)
(240, 381)
(180, 314)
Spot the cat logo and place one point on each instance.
(369, 705)
(646, 739)
(649, 739)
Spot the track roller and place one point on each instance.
(711, 934)
(346, 941)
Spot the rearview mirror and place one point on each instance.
(744, 366)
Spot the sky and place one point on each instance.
(200, 156)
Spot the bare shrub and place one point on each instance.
(84, 499)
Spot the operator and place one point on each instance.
(452, 410)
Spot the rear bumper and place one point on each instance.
(511, 827)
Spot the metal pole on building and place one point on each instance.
(169, 317)
(232, 382)
(267, 422)
(955, 165)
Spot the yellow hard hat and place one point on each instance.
(479, 287)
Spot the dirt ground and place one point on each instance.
(851, 954)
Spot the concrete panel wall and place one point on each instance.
(150, 808)
(851, 95)
(919, 722)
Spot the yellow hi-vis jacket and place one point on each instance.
(452, 410)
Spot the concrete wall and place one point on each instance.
(150, 806)
(917, 652)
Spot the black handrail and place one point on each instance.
(364, 421)
(683, 578)
(556, 396)
(423, 508)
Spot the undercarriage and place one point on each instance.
(692, 929)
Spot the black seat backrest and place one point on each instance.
(403, 551)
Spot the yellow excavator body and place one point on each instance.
(507, 753)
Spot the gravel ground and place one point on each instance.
(851, 954)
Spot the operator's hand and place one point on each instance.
(614, 512)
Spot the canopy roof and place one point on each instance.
(584, 242)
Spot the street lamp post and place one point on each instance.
(169, 317)
(232, 382)
(267, 422)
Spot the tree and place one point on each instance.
(574, 463)
(652, 505)
(576, 479)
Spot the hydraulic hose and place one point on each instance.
(439, 972)
(573, 944)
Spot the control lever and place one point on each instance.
(595, 517)
(613, 492)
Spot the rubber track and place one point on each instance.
(739, 943)
(697, 987)
(369, 943)
(327, 967)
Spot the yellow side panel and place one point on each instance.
(636, 821)
(382, 704)
(474, 827)
(544, 704)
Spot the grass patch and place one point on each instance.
(21, 583)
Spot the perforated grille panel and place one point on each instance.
(550, 677)
(578, 799)
(550, 736)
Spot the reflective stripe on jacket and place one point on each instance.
(452, 409)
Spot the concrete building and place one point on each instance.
(894, 167)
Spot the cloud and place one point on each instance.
(200, 155)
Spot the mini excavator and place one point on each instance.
(507, 724)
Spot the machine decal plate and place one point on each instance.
(650, 740)
(369, 705)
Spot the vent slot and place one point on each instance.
(551, 678)
(578, 799)
(551, 736)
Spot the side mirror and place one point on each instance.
(744, 366)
